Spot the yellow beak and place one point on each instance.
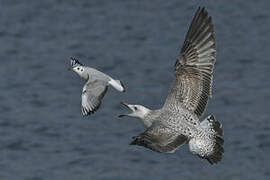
(71, 69)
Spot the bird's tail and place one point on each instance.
(117, 84)
(212, 126)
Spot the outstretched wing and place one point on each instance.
(75, 62)
(194, 67)
(159, 138)
(92, 94)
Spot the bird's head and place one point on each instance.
(138, 111)
(79, 68)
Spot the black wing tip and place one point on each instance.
(75, 61)
(73, 58)
(87, 112)
(202, 13)
(202, 9)
(135, 140)
(200, 20)
(140, 141)
(147, 142)
(124, 88)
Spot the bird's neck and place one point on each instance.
(84, 76)
(149, 117)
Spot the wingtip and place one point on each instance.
(86, 112)
(201, 8)
(134, 141)
(201, 11)
(74, 61)
(124, 88)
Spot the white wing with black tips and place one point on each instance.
(92, 95)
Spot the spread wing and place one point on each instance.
(92, 94)
(194, 67)
(159, 138)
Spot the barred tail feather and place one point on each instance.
(212, 126)
(216, 156)
(209, 149)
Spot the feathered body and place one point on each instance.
(177, 122)
(95, 87)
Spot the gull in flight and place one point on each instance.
(95, 87)
(177, 122)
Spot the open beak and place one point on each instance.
(128, 106)
(71, 69)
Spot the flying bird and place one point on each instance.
(177, 122)
(95, 87)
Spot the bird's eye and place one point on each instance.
(135, 108)
(78, 68)
(81, 69)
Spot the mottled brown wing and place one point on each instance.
(160, 138)
(194, 67)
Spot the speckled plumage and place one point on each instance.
(177, 122)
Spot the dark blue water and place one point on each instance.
(42, 132)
